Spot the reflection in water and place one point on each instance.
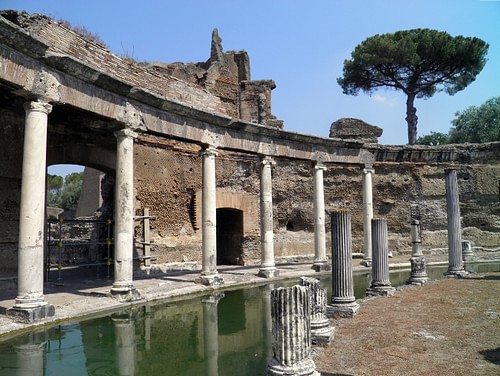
(221, 334)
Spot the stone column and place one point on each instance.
(211, 333)
(267, 267)
(290, 312)
(321, 331)
(124, 343)
(123, 287)
(320, 261)
(367, 216)
(209, 275)
(418, 274)
(381, 285)
(343, 302)
(455, 264)
(30, 304)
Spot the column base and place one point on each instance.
(213, 279)
(30, 315)
(468, 257)
(269, 272)
(455, 273)
(417, 280)
(125, 294)
(321, 266)
(322, 336)
(380, 291)
(366, 262)
(305, 367)
(342, 310)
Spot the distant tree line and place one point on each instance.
(64, 193)
(476, 124)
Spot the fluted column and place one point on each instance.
(367, 215)
(343, 301)
(123, 286)
(30, 304)
(321, 331)
(267, 267)
(211, 333)
(381, 285)
(320, 260)
(418, 274)
(209, 274)
(290, 312)
(455, 264)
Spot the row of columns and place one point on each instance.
(30, 304)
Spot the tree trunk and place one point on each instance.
(411, 119)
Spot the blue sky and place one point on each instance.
(301, 45)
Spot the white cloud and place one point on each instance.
(379, 98)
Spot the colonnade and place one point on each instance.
(30, 302)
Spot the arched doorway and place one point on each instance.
(229, 236)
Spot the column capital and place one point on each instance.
(320, 166)
(209, 151)
(38, 106)
(368, 170)
(126, 132)
(267, 160)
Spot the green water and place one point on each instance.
(223, 334)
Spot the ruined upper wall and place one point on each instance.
(212, 86)
(63, 41)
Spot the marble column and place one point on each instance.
(367, 216)
(125, 343)
(123, 287)
(321, 331)
(267, 267)
(320, 260)
(418, 275)
(211, 333)
(290, 312)
(380, 285)
(209, 275)
(455, 264)
(30, 304)
(343, 302)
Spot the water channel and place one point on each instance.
(226, 333)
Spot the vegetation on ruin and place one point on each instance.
(64, 193)
(419, 62)
(475, 124)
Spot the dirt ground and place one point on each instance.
(449, 327)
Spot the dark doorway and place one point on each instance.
(229, 236)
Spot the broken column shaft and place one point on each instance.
(418, 274)
(343, 301)
(290, 312)
(321, 331)
(380, 285)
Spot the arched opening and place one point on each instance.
(229, 236)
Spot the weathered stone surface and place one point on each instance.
(343, 302)
(349, 128)
(321, 331)
(290, 313)
(381, 284)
